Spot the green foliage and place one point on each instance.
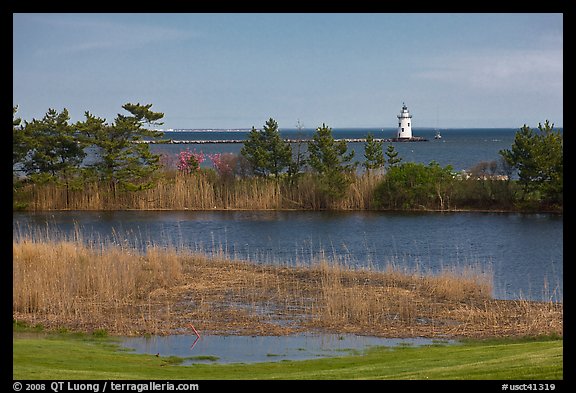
(485, 185)
(51, 146)
(142, 114)
(478, 193)
(373, 153)
(538, 158)
(254, 152)
(47, 151)
(415, 186)
(266, 151)
(326, 153)
(392, 155)
(121, 160)
(329, 160)
(51, 150)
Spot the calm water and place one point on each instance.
(461, 148)
(250, 349)
(522, 252)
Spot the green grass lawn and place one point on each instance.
(61, 357)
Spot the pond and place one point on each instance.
(252, 349)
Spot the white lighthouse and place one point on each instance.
(404, 123)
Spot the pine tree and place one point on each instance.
(121, 160)
(373, 153)
(266, 151)
(392, 155)
(328, 158)
(538, 158)
(54, 150)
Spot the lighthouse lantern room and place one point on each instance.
(404, 123)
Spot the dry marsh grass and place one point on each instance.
(163, 291)
(200, 191)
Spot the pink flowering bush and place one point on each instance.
(223, 163)
(189, 162)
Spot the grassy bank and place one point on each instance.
(68, 284)
(69, 357)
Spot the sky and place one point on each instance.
(237, 70)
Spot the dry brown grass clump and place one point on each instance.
(68, 284)
(201, 191)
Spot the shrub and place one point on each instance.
(415, 186)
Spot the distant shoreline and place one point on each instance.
(304, 140)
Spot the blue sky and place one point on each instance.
(342, 69)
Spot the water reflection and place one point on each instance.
(252, 349)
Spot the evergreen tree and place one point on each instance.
(538, 158)
(266, 151)
(254, 152)
(53, 149)
(48, 150)
(328, 158)
(373, 153)
(392, 154)
(122, 160)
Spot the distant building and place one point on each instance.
(404, 124)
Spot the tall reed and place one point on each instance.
(68, 280)
(202, 191)
(82, 285)
(367, 297)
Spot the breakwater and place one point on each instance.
(205, 141)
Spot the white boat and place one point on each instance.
(437, 136)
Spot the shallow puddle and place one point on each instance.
(252, 349)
